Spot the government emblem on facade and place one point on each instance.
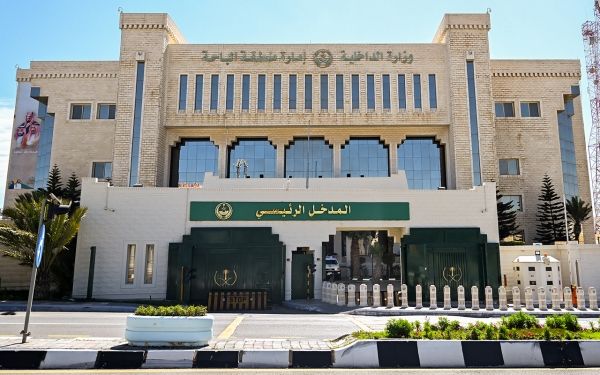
(223, 211)
(225, 278)
(452, 274)
(323, 58)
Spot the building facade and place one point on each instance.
(174, 130)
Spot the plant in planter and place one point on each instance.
(169, 326)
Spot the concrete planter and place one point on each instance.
(169, 330)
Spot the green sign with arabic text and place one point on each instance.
(307, 211)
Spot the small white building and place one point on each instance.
(535, 271)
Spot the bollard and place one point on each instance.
(404, 296)
(593, 298)
(364, 299)
(447, 302)
(333, 294)
(502, 298)
(555, 292)
(419, 297)
(567, 295)
(461, 297)
(542, 302)
(474, 298)
(341, 297)
(351, 295)
(528, 298)
(516, 298)
(324, 292)
(489, 299)
(580, 298)
(376, 295)
(327, 292)
(432, 297)
(390, 295)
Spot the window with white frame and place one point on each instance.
(130, 264)
(509, 167)
(81, 111)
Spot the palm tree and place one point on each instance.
(577, 212)
(356, 235)
(377, 252)
(20, 235)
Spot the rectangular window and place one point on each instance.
(130, 264)
(549, 283)
(199, 91)
(385, 85)
(102, 170)
(137, 124)
(293, 90)
(81, 111)
(107, 111)
(532, 283)
(401, 91)
(370, 92)
(515, 199)
(531, 268)
(230, 92)
(548, 269)
(530, 110)
(245, 92)
(417, 90)
(308, 91)
(277, 92)
(509, 167)
(339, 91)
(471, 89)
(149, 264)
(262, 83)
(214, 92)
(504, 109)
(432, 92)
(324, 92)
(355, 92)
(182, 92)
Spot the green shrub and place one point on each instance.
(555, 321)
(490, 332)
(503, 333)
(400, 328)
(547, 334)
(177, 310)
(520, 320)
(566, 321)
(443, 323)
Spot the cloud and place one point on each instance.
(7, 112)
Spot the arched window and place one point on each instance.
(321, 158)
(423, 162)
(365, 158)
(190, 159)
(259, 155)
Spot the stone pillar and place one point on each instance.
(337, 157)
(404, 296)
(447, 302)
(543, 303)
(528, 298)
(461, 297)
(580, 298)
(364, 300)
(516, 298)
(432, 297)
(376, 295)
(555, 298)
(474, 298)
(419, 297)
(489, 299)
(341, 297)
(593, 298)
(567, 297)
(502, 298)
(351, 295)
(334, 293)
(390, 295)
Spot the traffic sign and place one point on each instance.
(39, 250)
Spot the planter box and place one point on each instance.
(169, 330)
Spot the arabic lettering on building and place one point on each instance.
(312, 211)
(287, 58)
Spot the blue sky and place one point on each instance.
(78, 30)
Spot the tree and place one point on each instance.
(72, 191)
(507, 217)
(20, 236)
(551, 215)
(54, 185)
(377, 251)
(356, 236)
(577, 212)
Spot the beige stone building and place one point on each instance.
(435, 126)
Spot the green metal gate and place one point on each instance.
(300, 264)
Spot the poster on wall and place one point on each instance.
(25, 139)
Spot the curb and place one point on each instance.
(68, 308)
(361, 354)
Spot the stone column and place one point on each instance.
(543, 303)
(567, 297)
(419, 297)
(337, 157)
(390, 295)
(447, 302)
(502, 298)
(376, 295)
(528, 298)
(555, 298)
(461, 297)
(432, 297)
(351, 295)
(516, 298)
(404, 296)
(341, 297)
(364, 300)
(593, 298)
(580, 298)
(280, 149)
(489, 299)
(334, 293)
(474, 298)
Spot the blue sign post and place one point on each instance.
(39, 249)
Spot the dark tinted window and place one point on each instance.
(422, 161)
(321, 159)
(364, 157)
(260, 157)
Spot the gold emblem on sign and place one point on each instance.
(226, 278)
(223, 211)
(452, 274)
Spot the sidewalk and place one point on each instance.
(67, 306)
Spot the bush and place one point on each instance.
(177, 310)
(400, 328)
(443, 323)
(566, 321)
(520, 320)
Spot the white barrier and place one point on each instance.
(489, 298)
(528, 298)
(580, 298)
(474, 298)
(376, 295)
(447, 302)
(419, 297)
(341, 297)
(432, 297)
(516, 298)
(351, 295)
(364, 300)
(555, 292)
(542, 298)
(461, 297)
(568, 298)
(502, 304)
(404, 296)
(593, 298)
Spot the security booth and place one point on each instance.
(537, 270)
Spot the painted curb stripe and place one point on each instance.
(312, 358)
(216, 359)
(482, 353)
(169, 359)
(265, 359)
(590, 351)
(21, 359)
(522, 354)
(69, 359)
(561, 353)
(360, 354)
(398, 354)
(440, 354)
(121, 359)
